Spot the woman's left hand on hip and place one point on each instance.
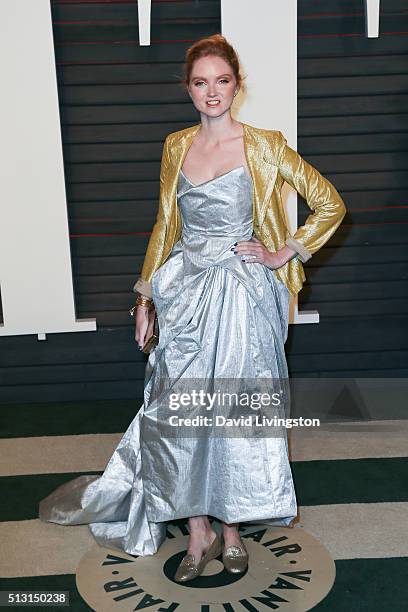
(254, 251)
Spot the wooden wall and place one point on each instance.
(119, 100)
(352, 121)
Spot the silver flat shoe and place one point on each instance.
(188, 570)
(235, 559)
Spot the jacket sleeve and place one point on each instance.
(320, 195)
(156, 243)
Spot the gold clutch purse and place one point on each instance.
(153, 328)
(152, 331)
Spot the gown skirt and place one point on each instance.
(220, 319)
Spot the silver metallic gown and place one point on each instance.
(219, 318)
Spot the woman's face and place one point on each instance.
(212, 79)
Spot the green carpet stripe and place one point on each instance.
(317, 483)
(67, 418)
(366, 585)
(20, 495)
(347, 481)
(371, 585)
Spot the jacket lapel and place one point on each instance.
(178, 150)
(262, 169)
(260, 163)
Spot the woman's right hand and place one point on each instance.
(142, 323)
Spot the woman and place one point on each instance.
(219, 270)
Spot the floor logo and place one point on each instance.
(288, 569)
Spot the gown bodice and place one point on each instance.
(218, 208)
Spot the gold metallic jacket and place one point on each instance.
(271, 162)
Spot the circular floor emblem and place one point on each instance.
(288, 570)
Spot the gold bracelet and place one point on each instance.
(150, 307)
(144, 304)
(143, 301)
(132, 310)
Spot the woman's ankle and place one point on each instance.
(230, 528)
(200, 526)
